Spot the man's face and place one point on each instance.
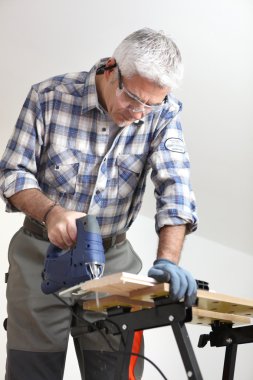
(130, 99)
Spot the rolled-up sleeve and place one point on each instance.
(170, 174)
(18, 166)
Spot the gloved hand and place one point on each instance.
(182, 284)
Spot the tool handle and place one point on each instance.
(84, 261)
(88, 244)
(85, 225)
(89, 241)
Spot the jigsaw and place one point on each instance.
(85, 261)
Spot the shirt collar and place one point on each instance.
(90, 96)
(174, 105)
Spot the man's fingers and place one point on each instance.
(71, 231)
(174, 285)
(159, 275)
(62, 230)
(182, 284)
(60, 237)
(191, 294)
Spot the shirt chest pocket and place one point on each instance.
(62, 169)
(129, 171)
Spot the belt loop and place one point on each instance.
(5, 323)
(45, 235)
(113, 240)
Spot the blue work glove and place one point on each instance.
(182, 284)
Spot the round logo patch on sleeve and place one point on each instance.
(175, 144)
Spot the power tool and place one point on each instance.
(85, 261)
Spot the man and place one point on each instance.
(84, 144)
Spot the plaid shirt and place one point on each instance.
(60, 146)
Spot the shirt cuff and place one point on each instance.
(15, 185)
(172, 217)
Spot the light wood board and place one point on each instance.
(119, 283)
(138, 292)
(206, 317)
(113, 301)
(211, 301)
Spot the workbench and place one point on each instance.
(136, 302)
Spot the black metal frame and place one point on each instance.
(124, 322)
(224, 334)
(174, 315)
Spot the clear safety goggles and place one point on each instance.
(132, 102)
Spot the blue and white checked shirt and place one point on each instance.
(60, 146)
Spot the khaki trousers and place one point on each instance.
(39, 325)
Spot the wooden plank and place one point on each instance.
(199, 316)
(144, 289)
(206, 300)
(206, 317)
(114, 301)
(225, 303)
(118, 283)
(147, 294)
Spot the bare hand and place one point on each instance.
(61, 226)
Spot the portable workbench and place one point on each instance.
(135, 302)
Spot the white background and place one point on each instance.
(39, 39)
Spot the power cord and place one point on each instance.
(94, 326)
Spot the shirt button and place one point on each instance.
(97, 191)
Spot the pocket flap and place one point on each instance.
(131, 162)
(63, 155)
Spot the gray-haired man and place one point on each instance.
(84, 144)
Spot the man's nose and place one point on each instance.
(137, 113)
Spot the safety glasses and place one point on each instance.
(133, 102)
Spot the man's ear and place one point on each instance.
(110, 62)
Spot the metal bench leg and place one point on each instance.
(186, 351)
(229, 363)
(122, 369)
